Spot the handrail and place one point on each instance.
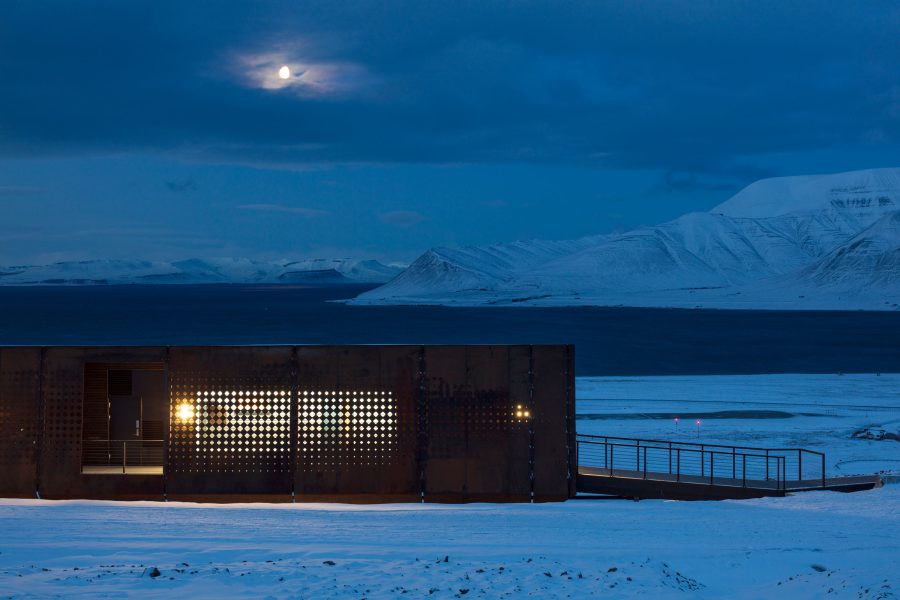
(133, 441)
(665, 459)
(643, 440)
(685, 449)
(122, 453)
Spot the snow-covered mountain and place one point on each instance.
(227, 270)
(822, 241)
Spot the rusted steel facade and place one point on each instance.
(283, 423)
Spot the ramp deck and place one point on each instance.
(640, 468)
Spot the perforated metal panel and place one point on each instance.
(338, 429)
(225, 431)
(230, 421)
(63, 390)
(19, 381)
(478, 423)
(357, 420)
(391, 422)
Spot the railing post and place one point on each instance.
(577, 453)
(744, 469)
(124, 456)
(702, 462)
(645, 462)
(611, 467)
(734, 463)
(712, 466)
(767, 464)
(823, 470)
(678, 468)
(637, 453)
(605, 453)
(670, 458)
(799, 465)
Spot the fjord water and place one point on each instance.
(608, 341)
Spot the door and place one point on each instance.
(124, 418)
(137, 407)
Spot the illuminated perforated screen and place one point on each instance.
(352, 428)
(239, 421)
(225, 429)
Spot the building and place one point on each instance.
(283, 423)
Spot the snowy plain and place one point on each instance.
(816, 412)
(810, 545)
(819, 544)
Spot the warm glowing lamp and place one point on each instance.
(185, 412)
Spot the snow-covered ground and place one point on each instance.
(817, 412)
(815, 545)
(811, 545)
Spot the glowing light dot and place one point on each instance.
(284, 72)
(185, 412)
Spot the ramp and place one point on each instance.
(644, 468)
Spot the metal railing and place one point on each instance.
(121, 454)
(716, 464)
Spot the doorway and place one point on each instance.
(125, 408)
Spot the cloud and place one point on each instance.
(601, 84)
(305, 79)
(152, 233)
(671, 182)
(296, 210)
(401, 218)
(181, 186)
(20, 190)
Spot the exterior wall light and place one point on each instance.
(185, 412)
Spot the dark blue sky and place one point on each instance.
(162, 130)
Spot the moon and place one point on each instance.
(284, 72)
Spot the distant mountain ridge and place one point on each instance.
(818, 242)
(226, 270)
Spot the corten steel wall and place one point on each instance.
(60, 441)
(380, 388)
(20, 370)
(211, 458)
(368, 423)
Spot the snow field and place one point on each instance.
(816, 412)
(811, 545)
(808, 546)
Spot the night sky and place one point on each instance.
(161, 130)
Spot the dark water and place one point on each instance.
(609, 341)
